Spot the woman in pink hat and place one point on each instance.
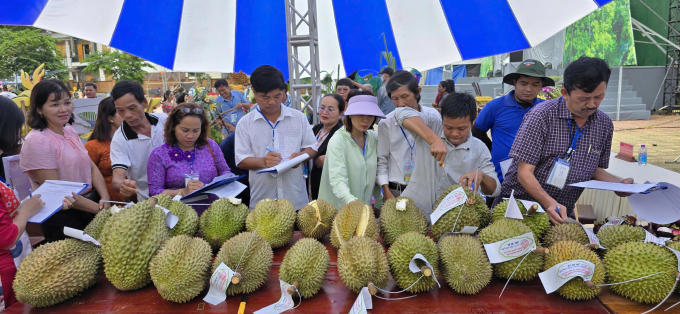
(350, 168)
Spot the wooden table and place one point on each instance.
(617, 304)
(334, 297)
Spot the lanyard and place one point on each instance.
(363, 150)
(193, 157)
(409, 143)
(270, 124)
(321, 137)
(575, 139)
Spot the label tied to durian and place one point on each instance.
(512, 211)
(170, 219)
(452, 200)
(177, 198)
(558, 275)
(528, 204)
(283, 304)
(677, 255)
(650, 238)
(592, 238)
(511, 248)
(219, 282)
(415, 269)
(614, 222)
(80, 235)
(362, 303)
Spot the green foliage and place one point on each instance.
(25, 48)
(122, 66)
(202, 98)
(605, 33)
(487, 65)
(387, 55)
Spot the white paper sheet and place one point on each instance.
(558, 275)
(662, 206)
(285, 165)
(505, 165)
(513, 210)
(614, 186)
(53, 192)
(210, 186)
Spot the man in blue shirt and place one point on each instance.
(230, 99)
(503, 115)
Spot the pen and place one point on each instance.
(557, 210)
(272, 151)
(30, 193)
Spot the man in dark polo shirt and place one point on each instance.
(564, 141)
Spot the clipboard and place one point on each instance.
(53, 192)
(217, 182)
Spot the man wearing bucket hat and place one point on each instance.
(504, 115)
(349, 171)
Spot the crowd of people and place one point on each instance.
(366, 147)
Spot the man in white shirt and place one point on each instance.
(270, 134)
(396, 146)
(133, 142)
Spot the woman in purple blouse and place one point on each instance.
(188, 159)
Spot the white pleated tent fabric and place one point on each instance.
(239, 35)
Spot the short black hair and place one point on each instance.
(338, 98)
(182, 98)
(267, 78)
(345, 82)
(387, 70)
(11, 121)
(123, 88)
(459, 105)
(402, 78)
(221, 82)
(586, 74)
(93, 84)
(39, 95)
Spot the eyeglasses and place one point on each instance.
(189, 110)
(328, 110)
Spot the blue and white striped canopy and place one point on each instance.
(239, 35)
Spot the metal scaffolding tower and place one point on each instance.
(671, 99)
(303, 40)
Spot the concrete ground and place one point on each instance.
(660, 134)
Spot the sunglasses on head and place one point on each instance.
(191, 110)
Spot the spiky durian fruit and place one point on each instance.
(576, 289)
(537, 222)
(353, 219)
(274, 220)
(398, 216)
(565, 232)
(224, 219)
(315, 219)
(181, 268)
(250, 255)
(400, 254)
(305, 266)
(472, 213)
(612, 236)
(465, 265)
(505, 229)
(362, 261)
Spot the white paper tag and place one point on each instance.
(414, 268)
(115, 209)
(558, 275)
(468, 230)
(451, 201)
(219, 282)
(170, 219)
(613, 222)
(177, 198)
(513, 210)
(677, 255)
(401, 204)
(528, 204)
(283, 304)
(592, 238)
(235, 201)
(80, 235)
(509, 249)
(128, 205)
(650, 238)
(362, 303)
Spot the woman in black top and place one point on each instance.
(330, 113)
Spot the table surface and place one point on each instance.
(617, 304)
(641, 174)
(334, 297)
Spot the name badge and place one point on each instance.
(408, 169)
(232, 117)
(558, 173)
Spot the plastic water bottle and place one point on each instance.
(642, 156)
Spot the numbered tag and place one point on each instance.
(414, 267)
(170, 219)
(650, 238)
(283, 304)
(80, 235)
(219, 282)
(558, 173)
(409, 164)
(456, 198)
(362, 303)
(558, 275)
(509, 249)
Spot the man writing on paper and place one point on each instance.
(134, 141)
(459, 158)
(272, 133)
(564, 141)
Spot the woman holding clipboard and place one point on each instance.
(53, 151)
(188, 159)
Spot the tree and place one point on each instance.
(120, 65)
(25, 48)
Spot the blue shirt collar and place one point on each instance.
(509, 100)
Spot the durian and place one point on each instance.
(96, 226)
(131, 238)
(221, 221)
(57, 271)
(474, 213)
(249, 255)
(181, 268)
(400, 254)
(398, 216)
(353, 219)
(576, 289)
(612, 236)
(505, 229)
(637, 259)
(565, 232)
(315, 219)
(465, 265)
(274, 220)
(362, 261)
(163, 200)
(305, 265)
(538, 222)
